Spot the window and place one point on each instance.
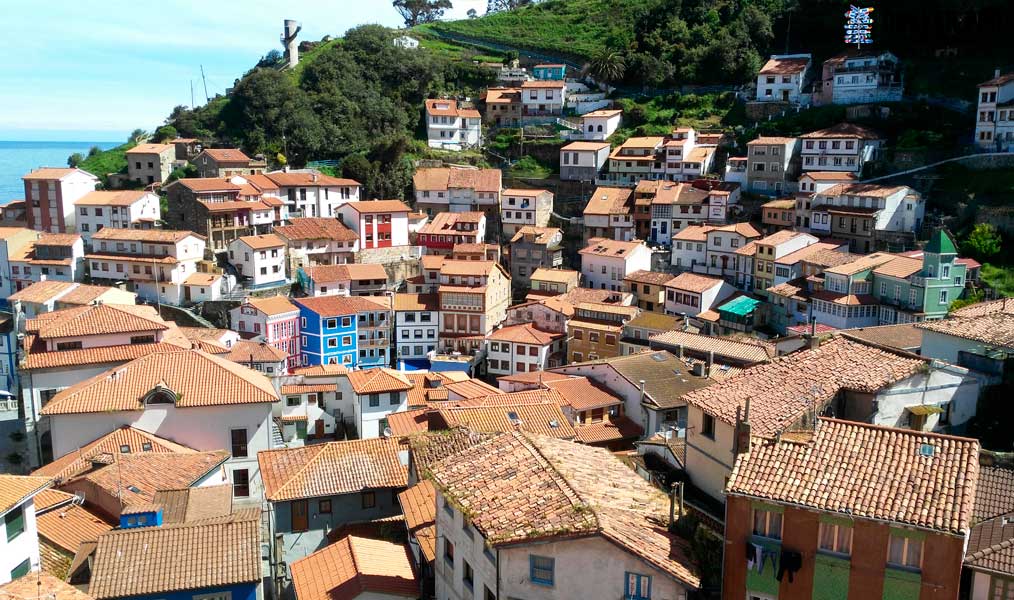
(22, 569)
(541, 569)
(374, 400)
(836, 538)
(637, 587)
(240, 483)
(943, 296)
(239, 443)
(292, 401)
(449, 552)
(904, 551)
(708, 426)
(14, 522)
(467, 576)
(488, 594)
(767, 523)
(369, 499)
(393, 398)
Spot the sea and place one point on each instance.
(18, 158)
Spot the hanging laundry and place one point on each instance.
(791, 562)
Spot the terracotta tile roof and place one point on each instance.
(408, 422)
(304, 179)
(585, 146)
(582, 394)
(189, 504)
(433, 446)
(16, 489)
(807, 252)
(534, 377)
(471, 388)
(246, 351)
(610, 201)
(202, 279)
(649, 277)
(38, 358)
(72, 293)
(784, 66)
(419, 503)
(844, 130)
(208, 184)
(308, 388)
(144, 235)
(353, 567)
(867, 471)
(331, 469)
(444, 222)
(519, 411)
(502, 95)
(470, 268)
(442, 179)
(114, 198)
(666, 378)
(744, 229)
(525, 333)
(903, 336)
(378, 380)
(316, 228)
(542, 235)
(197, 379)
(542, 83)
(54, 173)
(41, 585)
(655, 321)
(555, 275)
(991, 546)
(615, 248)
(49, 498)
(613, 429)
(557, 489)
(860, 263)
(995, 329)
(442, 107)
(829, 175)
(273, 305)
(262, 242)
(723, 348)
(994, 495)
(70, 525)
(694, 233)
(379, 206)
(148, 561)
(321, 370)
(692, 282)
(750, 249)
(227, 155)
(134, 478)
(105, 449)
(151, 149)
(1003, 305)
(416, 302)
(771, 141)
(95, 320)
(334, 306)
(782, 390)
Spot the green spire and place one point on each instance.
(941, 243)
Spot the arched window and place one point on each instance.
(600, 129)
(160, 394)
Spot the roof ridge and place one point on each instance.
(306, 464)
(909, 432)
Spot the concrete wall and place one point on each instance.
(709, 461)
(25, 546)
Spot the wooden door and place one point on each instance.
(300, 520)
(318, 429)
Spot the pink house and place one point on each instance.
(275, 319)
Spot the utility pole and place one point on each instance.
(207, 98)
(191, 93)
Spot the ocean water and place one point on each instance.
(18, 158)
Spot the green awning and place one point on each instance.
(741, 306)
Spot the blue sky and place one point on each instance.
(94, 71)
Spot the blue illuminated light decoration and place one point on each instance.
(858, 26)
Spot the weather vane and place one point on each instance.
(858, 26)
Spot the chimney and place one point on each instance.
(641, 384)
(679, 349)
(742, 443)
(686, 322)
(711, 361)
(698, 369)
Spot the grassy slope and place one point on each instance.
(576, 27)
(113, 160)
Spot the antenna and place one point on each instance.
(191, 93)
(207, 98)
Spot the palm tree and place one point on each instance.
(608, 66)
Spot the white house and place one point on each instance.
(689, 246)
(261, 258)
(842, 147)
(457, 189)
(612, 547)
(691, 294)
(196, 399)
(860, 77)
(378, 223)
(318, 241)
(723, 242)
(994, 122)
(49, 295)
(50, 194)
(605, 263)
(53, 256)
(13, 240)
(416, 322)
(543, 98)
(523, 348)
(525, 207)
(374, 394)
(19, 537)
(126, 209)
(782, 78)
(598, 125)
(406, 41)
(203, 287)
(313, 194)
(583, 161)
(450, 127)
(154, 263)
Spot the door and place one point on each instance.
(785, 95)
(318, 428)
(186, 292)
(300, 522)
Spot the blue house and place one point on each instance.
(347, 330)
(552, 72)
(214, 555)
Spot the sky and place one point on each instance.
(94, 71)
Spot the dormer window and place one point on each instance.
(160, 394)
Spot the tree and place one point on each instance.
(495, 6)
(421, 11)
(984, 242)
(608, 66)
(75, 159)
(93, 151)
(472, 14)
(165, 133)
(137, 136)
